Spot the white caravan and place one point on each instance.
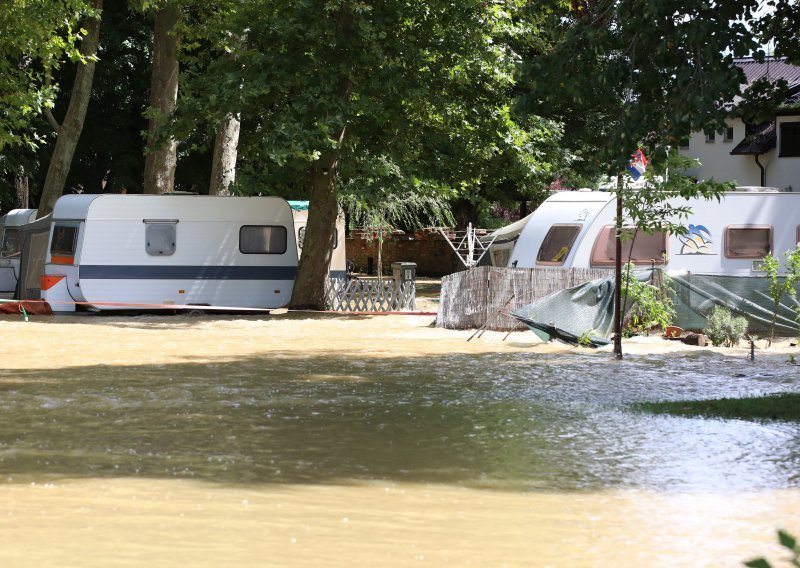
(338, 267)
(728, 237)
(10, 247)
(140, 252)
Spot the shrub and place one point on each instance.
(724, 328)
(651, 304)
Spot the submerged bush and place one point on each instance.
(723, 328)
(651, 303)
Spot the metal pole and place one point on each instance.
(618, 275)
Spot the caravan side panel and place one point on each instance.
(207, 263)
(138, 252)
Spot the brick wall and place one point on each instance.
(428, 249)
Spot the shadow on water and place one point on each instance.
(511, 421)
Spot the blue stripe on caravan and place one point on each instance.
(122, 272)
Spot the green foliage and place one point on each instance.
(427, 106)
(723, 328)
(585, 340)
(787, 541)
(409, 212)
(784, 406)
(36, 37)
(651, 305)
(642, 70)
(780, 286)
(652, 208)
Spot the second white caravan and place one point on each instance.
(728, 237)
(154, 251)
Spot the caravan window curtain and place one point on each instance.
(748, 241)
(637, 246)
(262, 239)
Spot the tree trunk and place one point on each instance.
(464, 213)
(223, 164)
(161, 159)
(323, 209)
(315, 260)
(69, 131)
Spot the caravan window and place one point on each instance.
(63, 243)
(557, 244)
(10, 243)
(301, 236)
(160, 237)
(637, 246)
(262, 239)
(748, 242)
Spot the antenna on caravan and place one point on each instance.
(468, 246)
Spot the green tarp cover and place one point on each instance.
(586, 310)
(748, 296)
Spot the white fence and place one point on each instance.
(370, 295)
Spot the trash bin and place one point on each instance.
(404, 272)
(405, 277)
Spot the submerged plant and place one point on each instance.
(723, 328)
(781, 286)
(651, 304)
(585, 340)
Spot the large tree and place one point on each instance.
(69, 130)
(161, 158)
(392, 96)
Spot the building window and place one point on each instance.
(557, 244)
(728, 134)
(160, 237)
(748, 242)
(710, 137)
(10, 245)
(262, 239)
(790, 140)
(643, 249)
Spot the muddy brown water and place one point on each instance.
(376, 441)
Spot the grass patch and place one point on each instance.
(785, 406)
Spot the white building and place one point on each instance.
(767, 154)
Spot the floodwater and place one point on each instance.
(295, 440)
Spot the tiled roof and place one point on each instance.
(771, 68)
(757, 142)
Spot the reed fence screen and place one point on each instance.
(482, 297)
